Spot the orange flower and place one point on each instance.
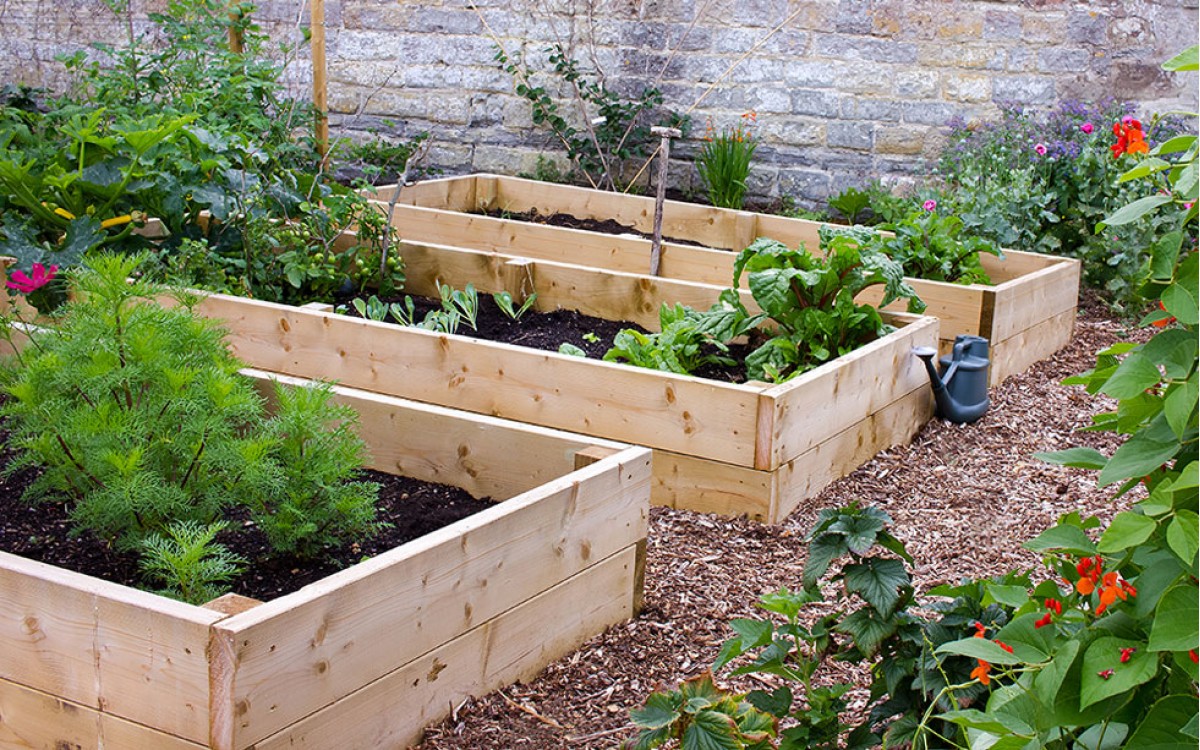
(1112, 589)
(1163, 322)
(1130, 139)
(981, 672)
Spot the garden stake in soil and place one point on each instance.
(665, 155)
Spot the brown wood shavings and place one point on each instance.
(963, 498)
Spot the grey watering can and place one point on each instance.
(960, 390)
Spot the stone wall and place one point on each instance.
(845, 90)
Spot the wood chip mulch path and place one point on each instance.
(963, 499)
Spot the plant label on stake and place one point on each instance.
(664, 156)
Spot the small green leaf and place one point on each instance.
(1107, 736)
(1134, 211)
(980, 648)
(1133, 377)
(1103, 657)
(711, 730)
(1183, 535)
(1080, 458)
(1175, 349)
(661, 710)
(1162, 725)
(1141, 454)
(1182, 299)
(1064, 538)
(879, 581)
(1128, 529)
(1180, 405)
(1175, 620)
(1186, 60)
(1011, 596)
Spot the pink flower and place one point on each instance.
(1188, 205)
(1087, 127)
(1128, 120)
(1040, 149)
(929, 205)
(26, 284)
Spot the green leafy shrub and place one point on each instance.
(188, 561)
(139, 418)
(933, 246)
(607, 133)
(680, 346)
(724, 162)
(1043, 182)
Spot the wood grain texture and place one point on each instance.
(391, 712)
(657, 409)
(299, 653)
(814, 406)
(125, 652)
(1022, 304)
(1015, 354)
(34, 720)
(486, 456)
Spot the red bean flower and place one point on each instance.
(1130, 139)
(1127, 654)
(38, 278)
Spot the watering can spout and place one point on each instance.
(960, 389)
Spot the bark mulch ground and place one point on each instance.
(963, 498)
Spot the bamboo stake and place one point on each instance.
(664, 151)
(320, 101)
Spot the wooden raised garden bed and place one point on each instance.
(755, 449)
(364, 658)
(1027, 314)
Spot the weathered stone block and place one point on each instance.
(847, 47)
(814, 74)
(899, 139)
(853, 135)
(816, 103)
(1063, 60)
(1024, 89)
(804, 184)
(966, 88)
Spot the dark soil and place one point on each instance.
(603, 226)
(410, 507)
(548, 331)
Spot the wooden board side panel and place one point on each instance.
(1015, 264)
(689, 415)
(819, 404)
(485, 456)
(1041, 295)
(805, 476)
(1015, 354)
(959, 308)
(126, 652)
(625, 253)
(32, 719)
(515, 645)
(300, 653)
(792, 232)
(707, 486)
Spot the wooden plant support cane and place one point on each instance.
(665, 154)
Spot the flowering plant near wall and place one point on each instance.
(724, 161)
(1043, 182)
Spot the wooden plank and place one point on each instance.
(39, 721)
(792, 232)
(627, 253)
(1020, 305)
(1017, 263)
(805, 476)
(689, 415)
(130, 653)
(823, 402)
(1015, 354)
(611, 295)
(707, 486)
(959, 307)
(486, 456)
(296, 654)
(394, 710)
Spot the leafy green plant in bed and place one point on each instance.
(809, 315)
(188, 562)
(680, 346)
(935, 247)
(138, 419)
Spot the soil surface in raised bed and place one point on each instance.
(963, 498)
(548, 331)
(410, 507)
(602, 226)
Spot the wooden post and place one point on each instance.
(235, 34)
(320, 102)
(664, 150)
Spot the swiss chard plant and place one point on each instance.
(808, 310)
(680, 346)
(935, 247)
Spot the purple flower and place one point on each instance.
(1040, 149)
(929, 205)
(1087, 127)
